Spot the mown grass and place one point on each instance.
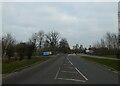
(115, 64)
(110, 56)
(10, 67)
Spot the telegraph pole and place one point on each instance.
(118, 52)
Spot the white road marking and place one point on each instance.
(115, 72)
(78, 70)
(71, 79)
(69, 61)
(69, 72)
(57, 73)
(65, 64)
(56, 77)
(81, 73)
(69, 67)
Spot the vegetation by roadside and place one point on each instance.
(109, 56)
(10, 67)
(108, 62)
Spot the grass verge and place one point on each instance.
(109, 56)
(10, 67)
(115, 64)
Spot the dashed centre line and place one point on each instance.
(69, 72)
(69, 67)
(57, 73)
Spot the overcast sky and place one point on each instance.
(80, 22)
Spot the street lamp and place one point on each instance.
(118, 49)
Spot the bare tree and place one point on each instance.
(53, 38)
(111, 40)
(108, 40)
(31, 45)
(102, 44)
(114, 41)
(21, 50)
(97, 44)
(107, 45)
(76, 48)
(30, 48)
(8, 43)
(46, 45)
(81, 49)
(33, 39)
(40, 39)
(64, 46)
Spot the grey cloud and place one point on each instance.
(78, 22)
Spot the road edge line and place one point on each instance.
(81, 74)
(79, 71)
(69, 61)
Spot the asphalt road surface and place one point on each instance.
(64, 69)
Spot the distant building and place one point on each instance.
(89, 51)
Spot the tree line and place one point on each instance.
(52, 41)
(38, 42)
(78, 48)
(108, 45)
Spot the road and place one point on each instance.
(64, 69)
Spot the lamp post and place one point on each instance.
(118, 49)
